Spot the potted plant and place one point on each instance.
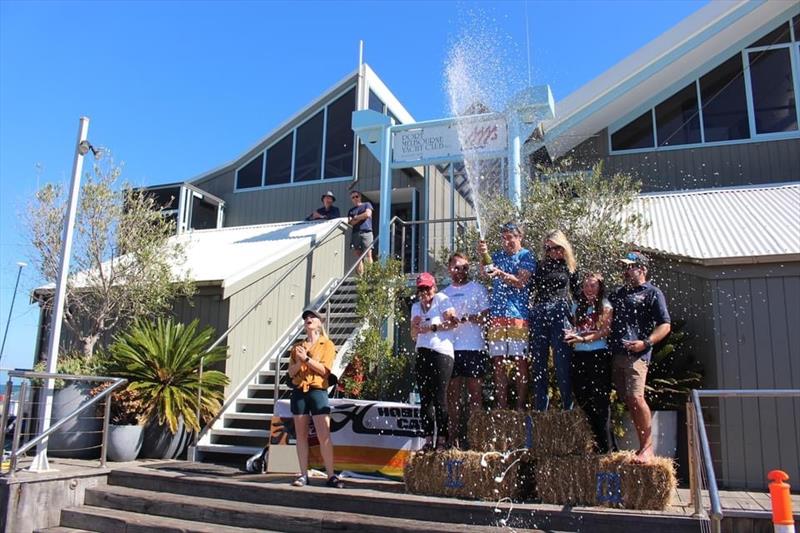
(161, 361)
(126, 419)
(672, 374)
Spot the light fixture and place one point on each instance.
(84, 147)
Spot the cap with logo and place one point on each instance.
(426, 279)
(635, 258)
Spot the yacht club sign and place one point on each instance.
(482, 137)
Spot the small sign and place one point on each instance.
(450, 140)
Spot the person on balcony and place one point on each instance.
(641, 319)
(591, 360)
(471, 303)
(328, 211)
(433, 320)
(507, 336)
(360, 218)
(309, 367)
(555, 283)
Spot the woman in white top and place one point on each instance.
(432, 322)
(591, 362)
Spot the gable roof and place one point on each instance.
(736, 225)
(695, 45)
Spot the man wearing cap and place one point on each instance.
(360, 217)
(328, 211)
(641, 319)
(507, 336)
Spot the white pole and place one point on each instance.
(57, 313)
(384, 240)
(514, 160)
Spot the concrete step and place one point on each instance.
(230, 449)
(105, 520)
(251, 515)
(240, 432)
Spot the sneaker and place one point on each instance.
(301, 481)
(334, 482)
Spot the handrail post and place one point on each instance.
(106, 421)
(6, 408)
(23, 390)
(695, 486)
(199, 398)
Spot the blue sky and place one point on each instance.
(177, 88)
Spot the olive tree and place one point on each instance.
(123, 265)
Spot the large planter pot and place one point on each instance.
(79, 438)
(665, 434)
(124, 442)
(161, 443)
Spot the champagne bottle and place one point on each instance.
(486, 262)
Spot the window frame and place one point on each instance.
(293, 130)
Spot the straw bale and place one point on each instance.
(574, 480)
(558, 432)
(498, 430)
(460, 474)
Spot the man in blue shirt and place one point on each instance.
(641, 319)
(360, 217)
(328, 211)
(507, 334)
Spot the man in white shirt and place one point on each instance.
(471, 303)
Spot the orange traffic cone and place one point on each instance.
(782, 519)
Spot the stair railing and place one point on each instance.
(268, 355)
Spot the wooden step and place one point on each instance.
(237, 432)
(105, 520)
(230, 449)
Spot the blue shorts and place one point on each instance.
(469, 364)
(313, 402)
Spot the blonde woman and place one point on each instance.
(554, 284)
(309, 367)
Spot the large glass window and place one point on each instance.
(724, 102)
(339, 136)
(249, 176)
(773, 90)
(636, 134)
(777, 36)
(796, 24)
(279, 161)
(308, 150)
(677, 120)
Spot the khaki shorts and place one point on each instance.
(630, 374)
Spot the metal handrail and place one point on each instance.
(16, 450)
(713, 491)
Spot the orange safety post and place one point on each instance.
(782, 519)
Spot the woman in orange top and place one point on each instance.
(309, 367)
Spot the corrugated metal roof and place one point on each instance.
(724, 225)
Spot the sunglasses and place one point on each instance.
(355, 197)
(551, 248)
(460, 268)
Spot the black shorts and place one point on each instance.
(313, 402)
(469, 364)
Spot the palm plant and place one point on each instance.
(162, 361)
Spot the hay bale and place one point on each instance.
(460, 474)
(558, 432)
(612, 480)
(497, 430)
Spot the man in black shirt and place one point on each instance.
(360, 218)
(328, 211)
(640, 320)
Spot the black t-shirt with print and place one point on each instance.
(637, 312)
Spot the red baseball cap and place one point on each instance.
(426, 280)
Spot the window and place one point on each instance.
(777, 36)
(308, 151)
(204, 213)
(375, 103)
(773, 90)
(636, 134)
(724, 102)
(796, 24)
(677, 120)
(249, 176)
(339, 136)
(279, 161)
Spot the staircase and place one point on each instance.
(242, 429)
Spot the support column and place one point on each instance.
(514, 161)
(386, 194)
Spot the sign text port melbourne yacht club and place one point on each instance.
(478, 135)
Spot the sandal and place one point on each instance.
(334, 482)
(301, 481)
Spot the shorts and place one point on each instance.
(469, 364)
(360, 240)
(507, 337)
(629, 374)
(313, 402)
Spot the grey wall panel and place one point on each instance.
(698, 167)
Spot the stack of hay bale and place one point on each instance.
(540, 454)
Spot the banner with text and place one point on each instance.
(368, 437)
(479, 136)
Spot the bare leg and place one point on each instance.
(522, 381)
(322, 423)
(368, 257)
(301, 430)
(360, 265)
(500, 383)
(475, 394)
(454, 391)
(642, 420)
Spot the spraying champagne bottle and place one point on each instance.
(486, 261)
